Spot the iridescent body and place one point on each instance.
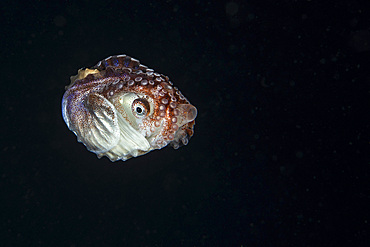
(121, 109)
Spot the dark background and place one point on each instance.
(280, 155)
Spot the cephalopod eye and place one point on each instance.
(140, 108)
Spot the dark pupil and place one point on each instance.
(139, 110)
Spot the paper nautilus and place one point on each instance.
(121, 109)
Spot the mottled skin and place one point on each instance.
(94, 103)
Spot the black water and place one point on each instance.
(280, 155)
